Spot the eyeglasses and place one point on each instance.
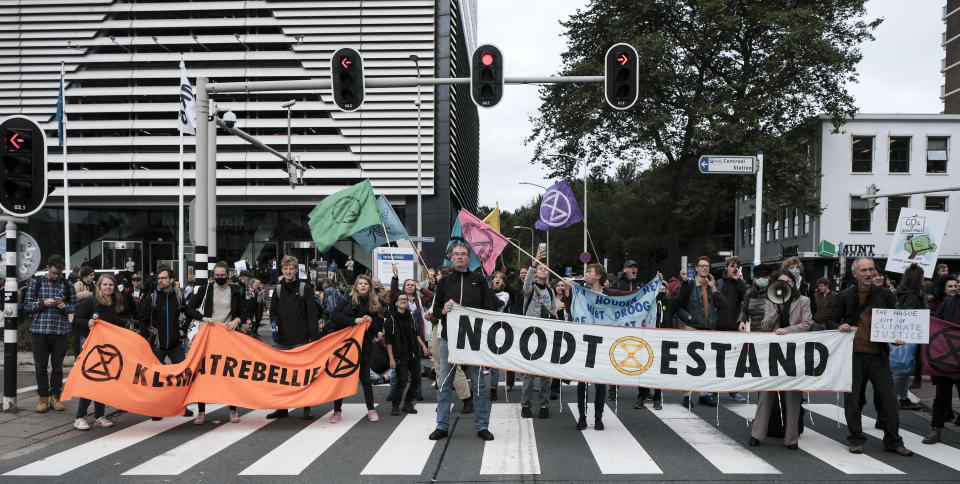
(159, 277)
(701, 266)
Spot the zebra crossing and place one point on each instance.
(655, 444)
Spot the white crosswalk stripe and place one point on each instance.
(615, 441)
(193, 452)
(941, 453)
(406, 451)
(296, 453)
(83, 454)
(831, 452)
(514, 449)
(728, 456)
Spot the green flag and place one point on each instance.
(342, 214)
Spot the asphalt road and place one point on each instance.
(673, 444)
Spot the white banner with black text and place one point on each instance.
(717, 361)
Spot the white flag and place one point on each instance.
(187, 119)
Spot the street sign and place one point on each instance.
(585, 257)
(727, 165)
(569, 272)
(28, 255)
(422, 239)
(827, 249)
(691, 272)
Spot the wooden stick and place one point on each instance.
(534, 258)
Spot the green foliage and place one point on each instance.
(716, 77)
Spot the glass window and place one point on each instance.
(752, 227)
(796, 222)
(786, 223)
(766, 235)
(776, 227)
(859, 215)
(894, 204)
(806, 224)
(862, 154)
(936, 203)
(937, 154)
(899, 154)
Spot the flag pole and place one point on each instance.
(66, 197)
(180, 235)
(534, 258)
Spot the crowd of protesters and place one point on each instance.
(408, 327)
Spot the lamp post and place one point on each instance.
(532, 253)
(585, 175)
(419, 104)
(548, 232)
(287, 105)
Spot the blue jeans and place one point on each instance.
(445, 377)
(901, 380)
(494, 378)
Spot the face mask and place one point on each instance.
(761, 282)
(220, 280)
(796, 273)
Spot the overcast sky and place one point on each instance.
(900, 73)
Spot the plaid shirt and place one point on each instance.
(49, 320)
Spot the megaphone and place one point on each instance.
(779, 292)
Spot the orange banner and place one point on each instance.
(117, 367)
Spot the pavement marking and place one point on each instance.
(514, 448)
(32, 388)
(83, 454)
(610, 445)
(726, 454)
(296, 453)
(407, 449)
(191, 453)
(830, 451)
(941, 453)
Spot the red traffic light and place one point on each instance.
(346, 62)
(623, 58)
(16, 140)
(486, 59)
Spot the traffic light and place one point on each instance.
(872, 190)
(486, 76)
(346, 76)
(621, 82)
(23, 166)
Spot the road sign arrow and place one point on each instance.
(703, 164)
(622, 59)
(14, 140)
(346, 62)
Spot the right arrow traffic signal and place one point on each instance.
(346, 78)
(23, 166)
(621, 81)
(486, 76)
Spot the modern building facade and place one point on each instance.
(122, 96)
(896, 153)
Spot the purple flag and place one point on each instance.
(559, 208)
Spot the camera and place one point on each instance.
(230, 119)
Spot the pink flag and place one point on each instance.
(942, 356)
(486, 243)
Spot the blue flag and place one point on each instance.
(60, 132)
(559, 207)
(372, 237)
(635, 310)
(457, 235)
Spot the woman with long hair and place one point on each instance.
(106, 304)
(362, 304)
(501, 295)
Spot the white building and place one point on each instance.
(122, 95)
(894, 152)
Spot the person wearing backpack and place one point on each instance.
(792, 316)
(110, 305)
(50, 299)
(403, 349)
(415, 310)
(221, 303)
(539, 302)
(294, 310)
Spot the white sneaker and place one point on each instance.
(102, 422)
(81, 424)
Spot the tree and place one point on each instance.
(716, 77)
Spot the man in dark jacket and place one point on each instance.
(294, 310)
(628, 280)
(467, 289)
(871, 361)
(161, 309)
(734, 290)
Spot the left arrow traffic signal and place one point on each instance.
(346, 76)
(23, 166)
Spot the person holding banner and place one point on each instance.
(793, 316)
(498, 286)
(593, 279)
(698, 305)
(467, 289)
(362, 304)
(110, 305)
(220, 302)
(871, 361)
(949, 310)
(539, 301)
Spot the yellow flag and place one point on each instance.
(493, 219)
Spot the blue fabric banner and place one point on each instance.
(635, 310)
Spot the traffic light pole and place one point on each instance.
(10, 303)
(200, 223)
(314, 84)
(211, 186)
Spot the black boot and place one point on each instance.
(281, 413)
(408, 408)
(307, 413)
(395, 410)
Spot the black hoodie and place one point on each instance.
(296, 318)
(468, 289)
(347, 313)
(400, 333)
